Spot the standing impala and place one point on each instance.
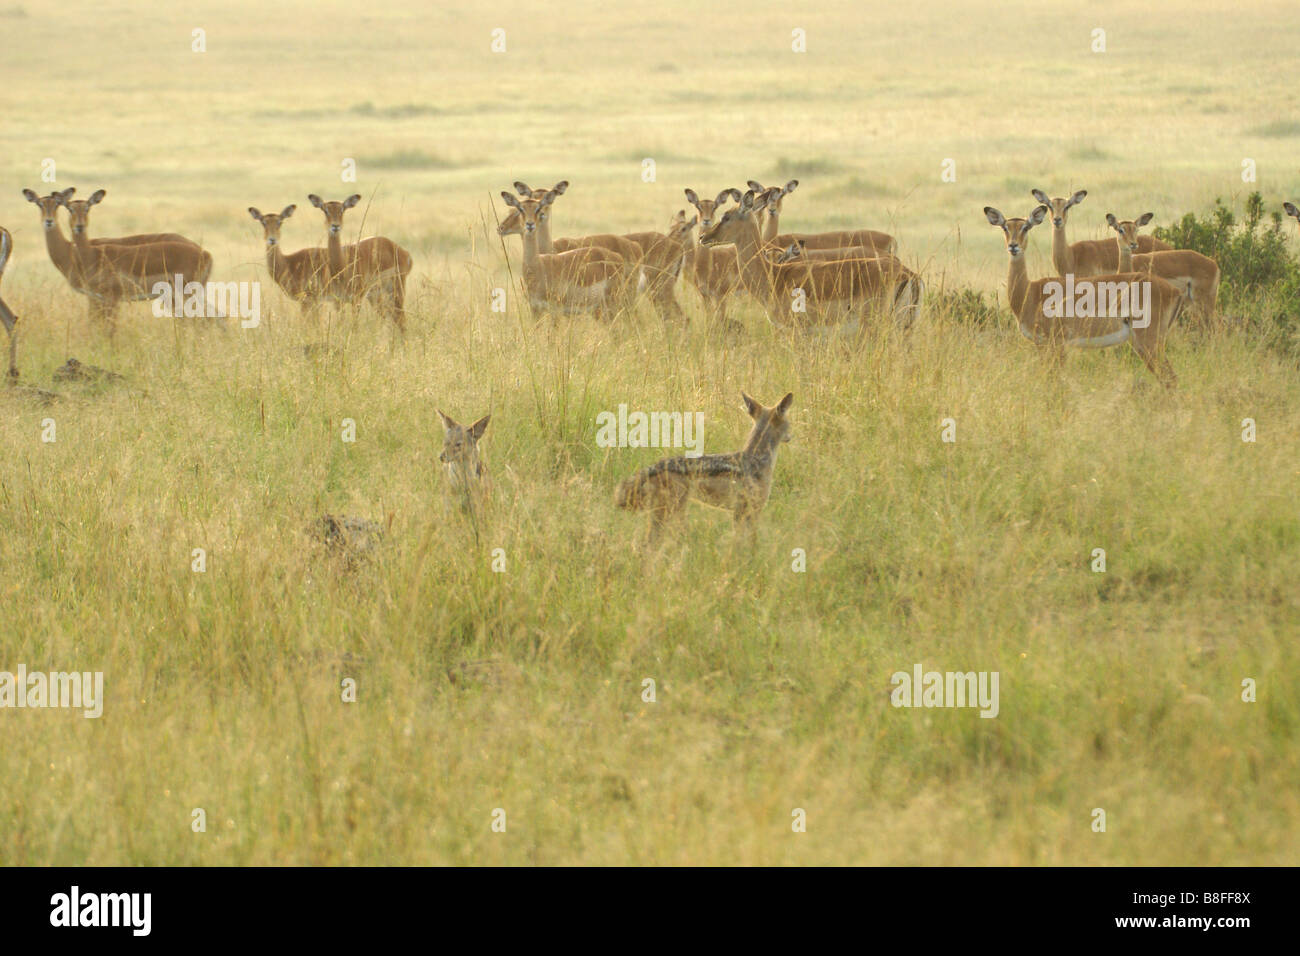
(585, 279)
(872, 242)
(1098, 312)
(1087, 257)
(7, 316)
(111, 273)
(715, 272)
(374, 268)
(844, 289)
(1193, 274)
(303, 275)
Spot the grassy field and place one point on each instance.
(1119, 690)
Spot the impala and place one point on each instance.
(303, 275)
(58, 246)
(1193, 274)
(774, 197)
(1048, 320)
(112, 273)
(1292, 210)
(825, 290)
(512, 224)
(1087, 257)
(715, 273)
(374, 268)
(662, 258)
(872, 241)
(6, 315)
(579, 280)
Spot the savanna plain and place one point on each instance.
(521, 688)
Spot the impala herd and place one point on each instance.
(800, 279)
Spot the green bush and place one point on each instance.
(1260, 281)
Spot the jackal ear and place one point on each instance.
(1077, 198)
(479, 427)
(352, 200)
(1040, 196)
(315, 200)
(784, 405)
(751, 406)
(1112, 221)
(448, 423)
(1290, 207)
(692, 198)
(1145, 218)
(995, 217)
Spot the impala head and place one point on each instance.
(271, 223)
(49, 205)
(513, 223)
(334, 211)
(1292, 210)
(730, 225)
(79, 210)
(775, 195)
(680, 228)
(709, 208)
(1016, 230)
(1059, 207)
(1128, 228)
(770, 424)
(790, 252)
(460, 451)
(532, 212)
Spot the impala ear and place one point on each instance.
(1145, 218)
(352, 200)
(1112, 221)
(1038, 215)
(67, 193)
(252, 211)
(287, 211)
(315, 200)
(692, 198)
(794, 249)
(790, 187)
(96, 196)
(560, 187)
(722, 197)
(509, 199)
(785, 403)
(1077, 197)
(995, 217)
(1040, 196)
(32, 197)
(735, 194)
(549, 198)
(754, 185)
(751, 406)
(522, 188)
(747, 201)
(1290, 207)
(479, 427)
(694, 220)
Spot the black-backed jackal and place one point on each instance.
(467, 475)
(738, 482)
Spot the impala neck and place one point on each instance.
(1018, 282)
(335, 245)
(278, 266)
(771, 226)
(1125, 256)
(531, 252)
(1062, 258)
(544, 243)
(59, 248)
(753, 272)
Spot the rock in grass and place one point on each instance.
(74, 371)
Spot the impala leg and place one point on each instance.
(10, 321)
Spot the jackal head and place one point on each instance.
(771, 426)
(1058, 207)
(465, 469)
